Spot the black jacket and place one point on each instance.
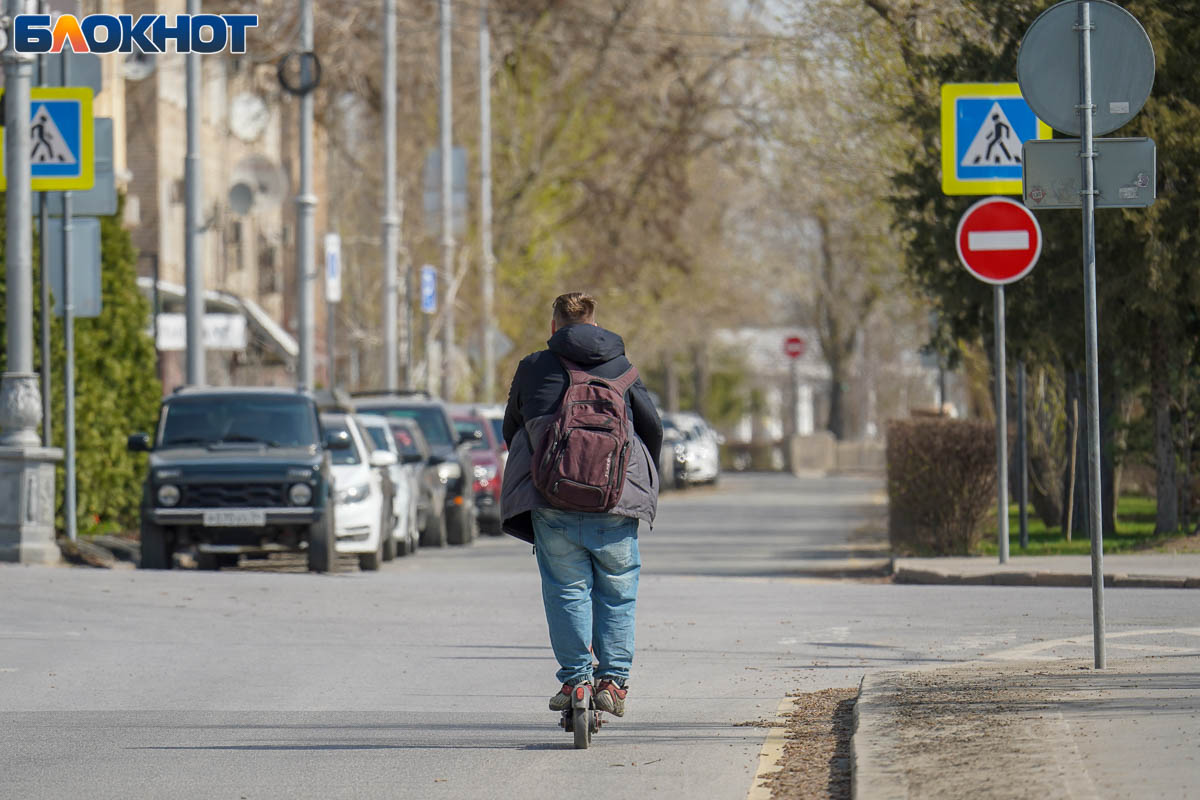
(541, 381)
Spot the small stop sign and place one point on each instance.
(793, 346)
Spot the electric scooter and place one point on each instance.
(582, 718)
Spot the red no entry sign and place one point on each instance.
(998, 240)
(793, 346)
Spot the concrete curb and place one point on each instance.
(870, 776)
(1032, 578)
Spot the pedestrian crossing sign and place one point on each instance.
(61, 147)
(983, 128)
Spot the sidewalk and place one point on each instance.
(1031, 729)
(1151, 570)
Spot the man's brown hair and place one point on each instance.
(574, 307)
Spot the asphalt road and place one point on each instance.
(430, 678)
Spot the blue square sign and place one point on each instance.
(428, 289)
(61, 139)
(984, 126)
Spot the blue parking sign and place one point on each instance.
(428, 289)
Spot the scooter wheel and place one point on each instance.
(581, 727)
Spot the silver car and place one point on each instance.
(405, 479)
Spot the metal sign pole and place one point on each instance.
(485, 208)
(1087, 162)
(68, 301)
(193, 226)
(47, 313)
(330, 361)
(391, 220)
(1001, 431)
(44, 261)
(1023, 455)
(447, 87)
(306, 203)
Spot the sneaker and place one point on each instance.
(562, 700)
(610, 697)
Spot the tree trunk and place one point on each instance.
(1185, 493)
(701, 378)
(1166, 519)
(1046, 466)
(671, 378)
(837, 400)
(1110, 415)
(1075, 505)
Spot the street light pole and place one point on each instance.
(20, 399)
(488, 258)
(306, 203)
(391, 221)
(26, 468)
(447, 206)
(193, 269)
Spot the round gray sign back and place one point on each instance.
(1122, 66)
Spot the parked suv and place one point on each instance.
(453, 463)
(236, 472)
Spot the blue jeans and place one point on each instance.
(589, 565)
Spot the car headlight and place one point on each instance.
(354, 494)
(485, 472)
(300, 494)
(449, 470)
(168, 495)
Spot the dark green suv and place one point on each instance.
(237, 472)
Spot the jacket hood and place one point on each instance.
(586, 345)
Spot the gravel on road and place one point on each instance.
(816, 756)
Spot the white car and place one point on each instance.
(698, 452)
(405, 480)
(358, 492)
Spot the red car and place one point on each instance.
(487, 457)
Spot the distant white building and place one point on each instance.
(886, 380)
(794, 391)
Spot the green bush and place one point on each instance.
(117, 390)
(941, 484)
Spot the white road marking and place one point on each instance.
(1028, 651)
(839, 634)
(1077, 783)
(772, 751)
(997, 240)
(1155, 649)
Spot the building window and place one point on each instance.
(268, 268)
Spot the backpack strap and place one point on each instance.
(626, 381)
(575, 373)
(578, 374)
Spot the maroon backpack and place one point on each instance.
(579, 464)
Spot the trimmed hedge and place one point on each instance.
(941, 484)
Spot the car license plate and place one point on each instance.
(235, 518)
